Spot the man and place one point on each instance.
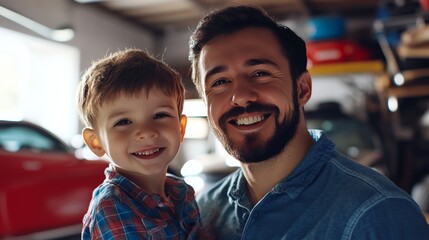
(292, 184)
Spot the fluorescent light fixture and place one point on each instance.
(59, 35)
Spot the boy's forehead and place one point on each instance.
(144, 92)
(144, 99)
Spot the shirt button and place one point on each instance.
(160, 205)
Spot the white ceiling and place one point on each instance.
(160, 15)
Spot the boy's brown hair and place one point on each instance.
(125, 72)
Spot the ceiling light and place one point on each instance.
(399, 79)
(60, 35)
(392, 104)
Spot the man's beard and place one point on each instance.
(253, 149)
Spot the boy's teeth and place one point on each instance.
(145, 153)
(249, 120)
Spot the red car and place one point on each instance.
(44, 188)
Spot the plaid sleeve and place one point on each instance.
(115, 220)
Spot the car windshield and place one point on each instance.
(16, 138)
(345, 133)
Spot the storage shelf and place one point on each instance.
(408, 91)
(374, 66)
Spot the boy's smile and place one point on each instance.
(148, 154)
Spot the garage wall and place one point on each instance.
(97, 32)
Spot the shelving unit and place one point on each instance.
(411, 93)
(373, 66)
(361, 100)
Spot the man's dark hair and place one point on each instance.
(233, 19)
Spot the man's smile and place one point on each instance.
(249, 120)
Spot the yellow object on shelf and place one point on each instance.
(375, 66)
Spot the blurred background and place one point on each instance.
(369, 60)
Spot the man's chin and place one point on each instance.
(251, 149)
(250, 153)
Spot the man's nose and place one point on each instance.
(243, 93)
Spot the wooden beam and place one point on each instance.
(408, 91)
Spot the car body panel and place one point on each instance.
(43, 189)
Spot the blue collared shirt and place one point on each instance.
(328, 196)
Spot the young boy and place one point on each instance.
(131, 104)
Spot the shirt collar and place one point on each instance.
(177, 189)
(300, 178)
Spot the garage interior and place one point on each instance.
(404, 132)
(382, 84)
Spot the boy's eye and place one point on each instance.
(122, 122)
(161, 115)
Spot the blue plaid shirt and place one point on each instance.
(119, 209)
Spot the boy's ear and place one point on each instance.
(92, 141)
(183, 122)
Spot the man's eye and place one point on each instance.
(122, 122)
(219, 82)
(261, 74)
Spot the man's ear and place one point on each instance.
(92, 141)
(183, 122)
(304, 87)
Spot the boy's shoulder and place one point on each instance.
(106, 192)
(175, 180)
(105, 197)
(177, 186)
(175, 177)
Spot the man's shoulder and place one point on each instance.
(360, 179)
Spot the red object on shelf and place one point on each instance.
(334, 51)
(425, 4)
